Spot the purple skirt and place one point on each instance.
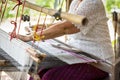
(73, 72)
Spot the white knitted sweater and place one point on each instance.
(93, 38)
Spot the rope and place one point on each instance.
(18, 4)
(13, 33)
(43, 25)
(36, 29)
(37, 37)
(21, 15)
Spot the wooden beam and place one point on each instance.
(78, 19)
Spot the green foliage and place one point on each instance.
(110, 4)
(8, 10)
(45, 3)
(117, 3)
(9, 13)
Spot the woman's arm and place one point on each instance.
(59, 29)
(56, 30)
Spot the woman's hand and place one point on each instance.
(24, 38)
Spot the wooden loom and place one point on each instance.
(17, 51)
(23, 59)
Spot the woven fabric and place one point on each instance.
(73, 72)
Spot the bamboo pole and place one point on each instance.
(77, 19)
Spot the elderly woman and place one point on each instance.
(92, 38)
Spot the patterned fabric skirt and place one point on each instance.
(73, 72)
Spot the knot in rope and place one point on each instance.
(18, 4)
(13, 33)
(15, 24)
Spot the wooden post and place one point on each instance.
(116, 71)
(117, 65)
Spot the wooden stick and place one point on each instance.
(78, 19)
(114, 20)
(37, 60)
(35, 53)
(3, 62)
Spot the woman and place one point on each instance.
(93, 38)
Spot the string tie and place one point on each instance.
(18, 4)
(13, 33)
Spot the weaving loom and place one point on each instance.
(20, 60)
(4, 36)
(15, 46)
(10, 48)
(15, 50)
(64, 55)
(9, 66)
